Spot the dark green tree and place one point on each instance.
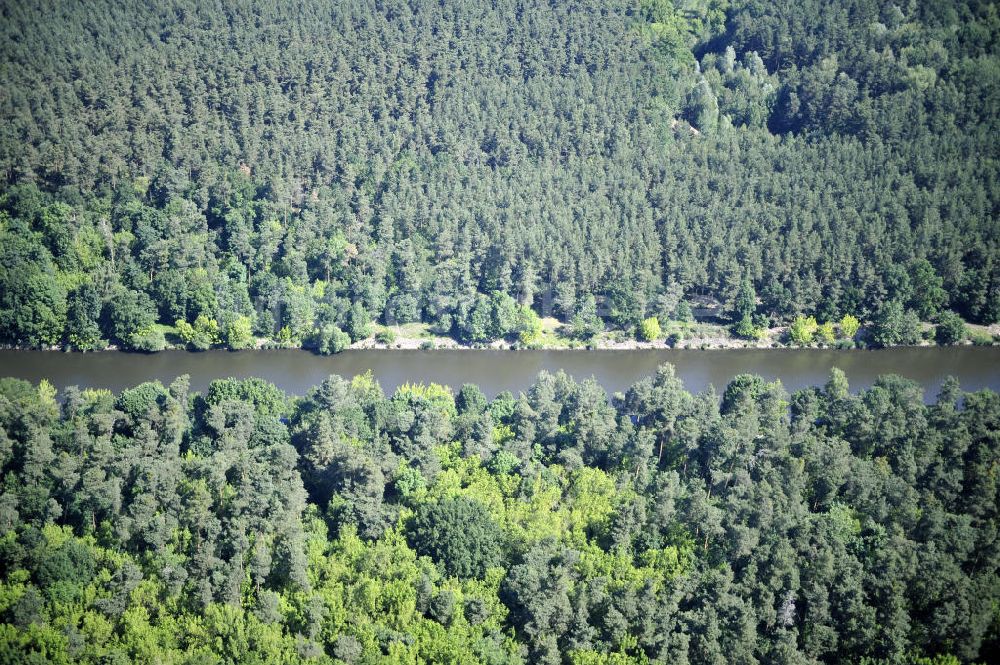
(459, 535)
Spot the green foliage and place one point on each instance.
(529, 326)
(359, 322)
(746, 329)
(849, 326)
(330, 339)
(239, 333)
(470, 399)
(129, 312)
(32, 302)
(150, 340)
(825, 333)
(892, 324)
(407, 481)
(837, 158)
(703, 108)
(416, 198)
(476, 322)
(668, 31)
(586, 324)
(775, 157)
(136, 402)
(433, 394)
(803, 329)
(168, 528)
(950, 329)
(458, 534)
(265, 398)
(386, 337)
(185, 331)
(83, 331)
(927, 288)
(505, 316)
(980, 338)
(487, 319)
(745, 303)
(649, 329)
(202, 335)
(503, 463)
(684, 313)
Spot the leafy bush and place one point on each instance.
(200, 336)
(849, 326)
(408, 480)
(803, 329)
(330, 339)
(150, 340)
(649, 329)
(747, 330)
(826, 333)
(950, 329)
(239, 333)
(529, 327)
(385, 336)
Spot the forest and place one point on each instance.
(563, 525)
(233, 172)
(249, 174)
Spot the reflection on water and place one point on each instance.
(494, 371)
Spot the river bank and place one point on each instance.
(687, 336)
(554, 337)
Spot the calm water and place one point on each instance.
(494, 371)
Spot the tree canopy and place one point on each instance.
(306, 166)
(243, 525)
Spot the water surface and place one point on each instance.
(297, 371)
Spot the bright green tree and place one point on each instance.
(148, 340)
(849, 326)
(826, 333)
(803, 329)
(529, 326)
(649, 329)
(201, 335)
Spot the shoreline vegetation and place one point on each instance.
(556, 336)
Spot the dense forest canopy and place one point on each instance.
(294, 169)
(230, 171)
(347, 526)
